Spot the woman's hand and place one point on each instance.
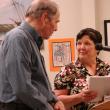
(87, 95)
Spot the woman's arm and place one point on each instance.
(70, 100)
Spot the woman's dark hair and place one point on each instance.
(93, 34)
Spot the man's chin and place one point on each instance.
(46, 37)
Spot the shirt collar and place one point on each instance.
(38, 39)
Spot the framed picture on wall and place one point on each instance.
(61, 52)
(107, 32)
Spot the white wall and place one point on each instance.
(88, 13)
(102, 13)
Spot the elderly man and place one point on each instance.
(24, 84)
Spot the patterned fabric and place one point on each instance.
(73, 77)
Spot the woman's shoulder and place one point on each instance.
(103, 62)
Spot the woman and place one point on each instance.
(70, 84)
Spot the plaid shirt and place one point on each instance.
(73, 77)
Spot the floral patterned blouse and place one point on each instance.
(73, 77)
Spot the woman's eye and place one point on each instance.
(79, 43)
(87, 43)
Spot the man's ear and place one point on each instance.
(44, 18)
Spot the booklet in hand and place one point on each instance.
(100, 84)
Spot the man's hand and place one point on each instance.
(59, 106)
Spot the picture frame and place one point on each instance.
(107, 32)
(61, 52)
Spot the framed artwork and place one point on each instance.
(107, 32)
(61, 52)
